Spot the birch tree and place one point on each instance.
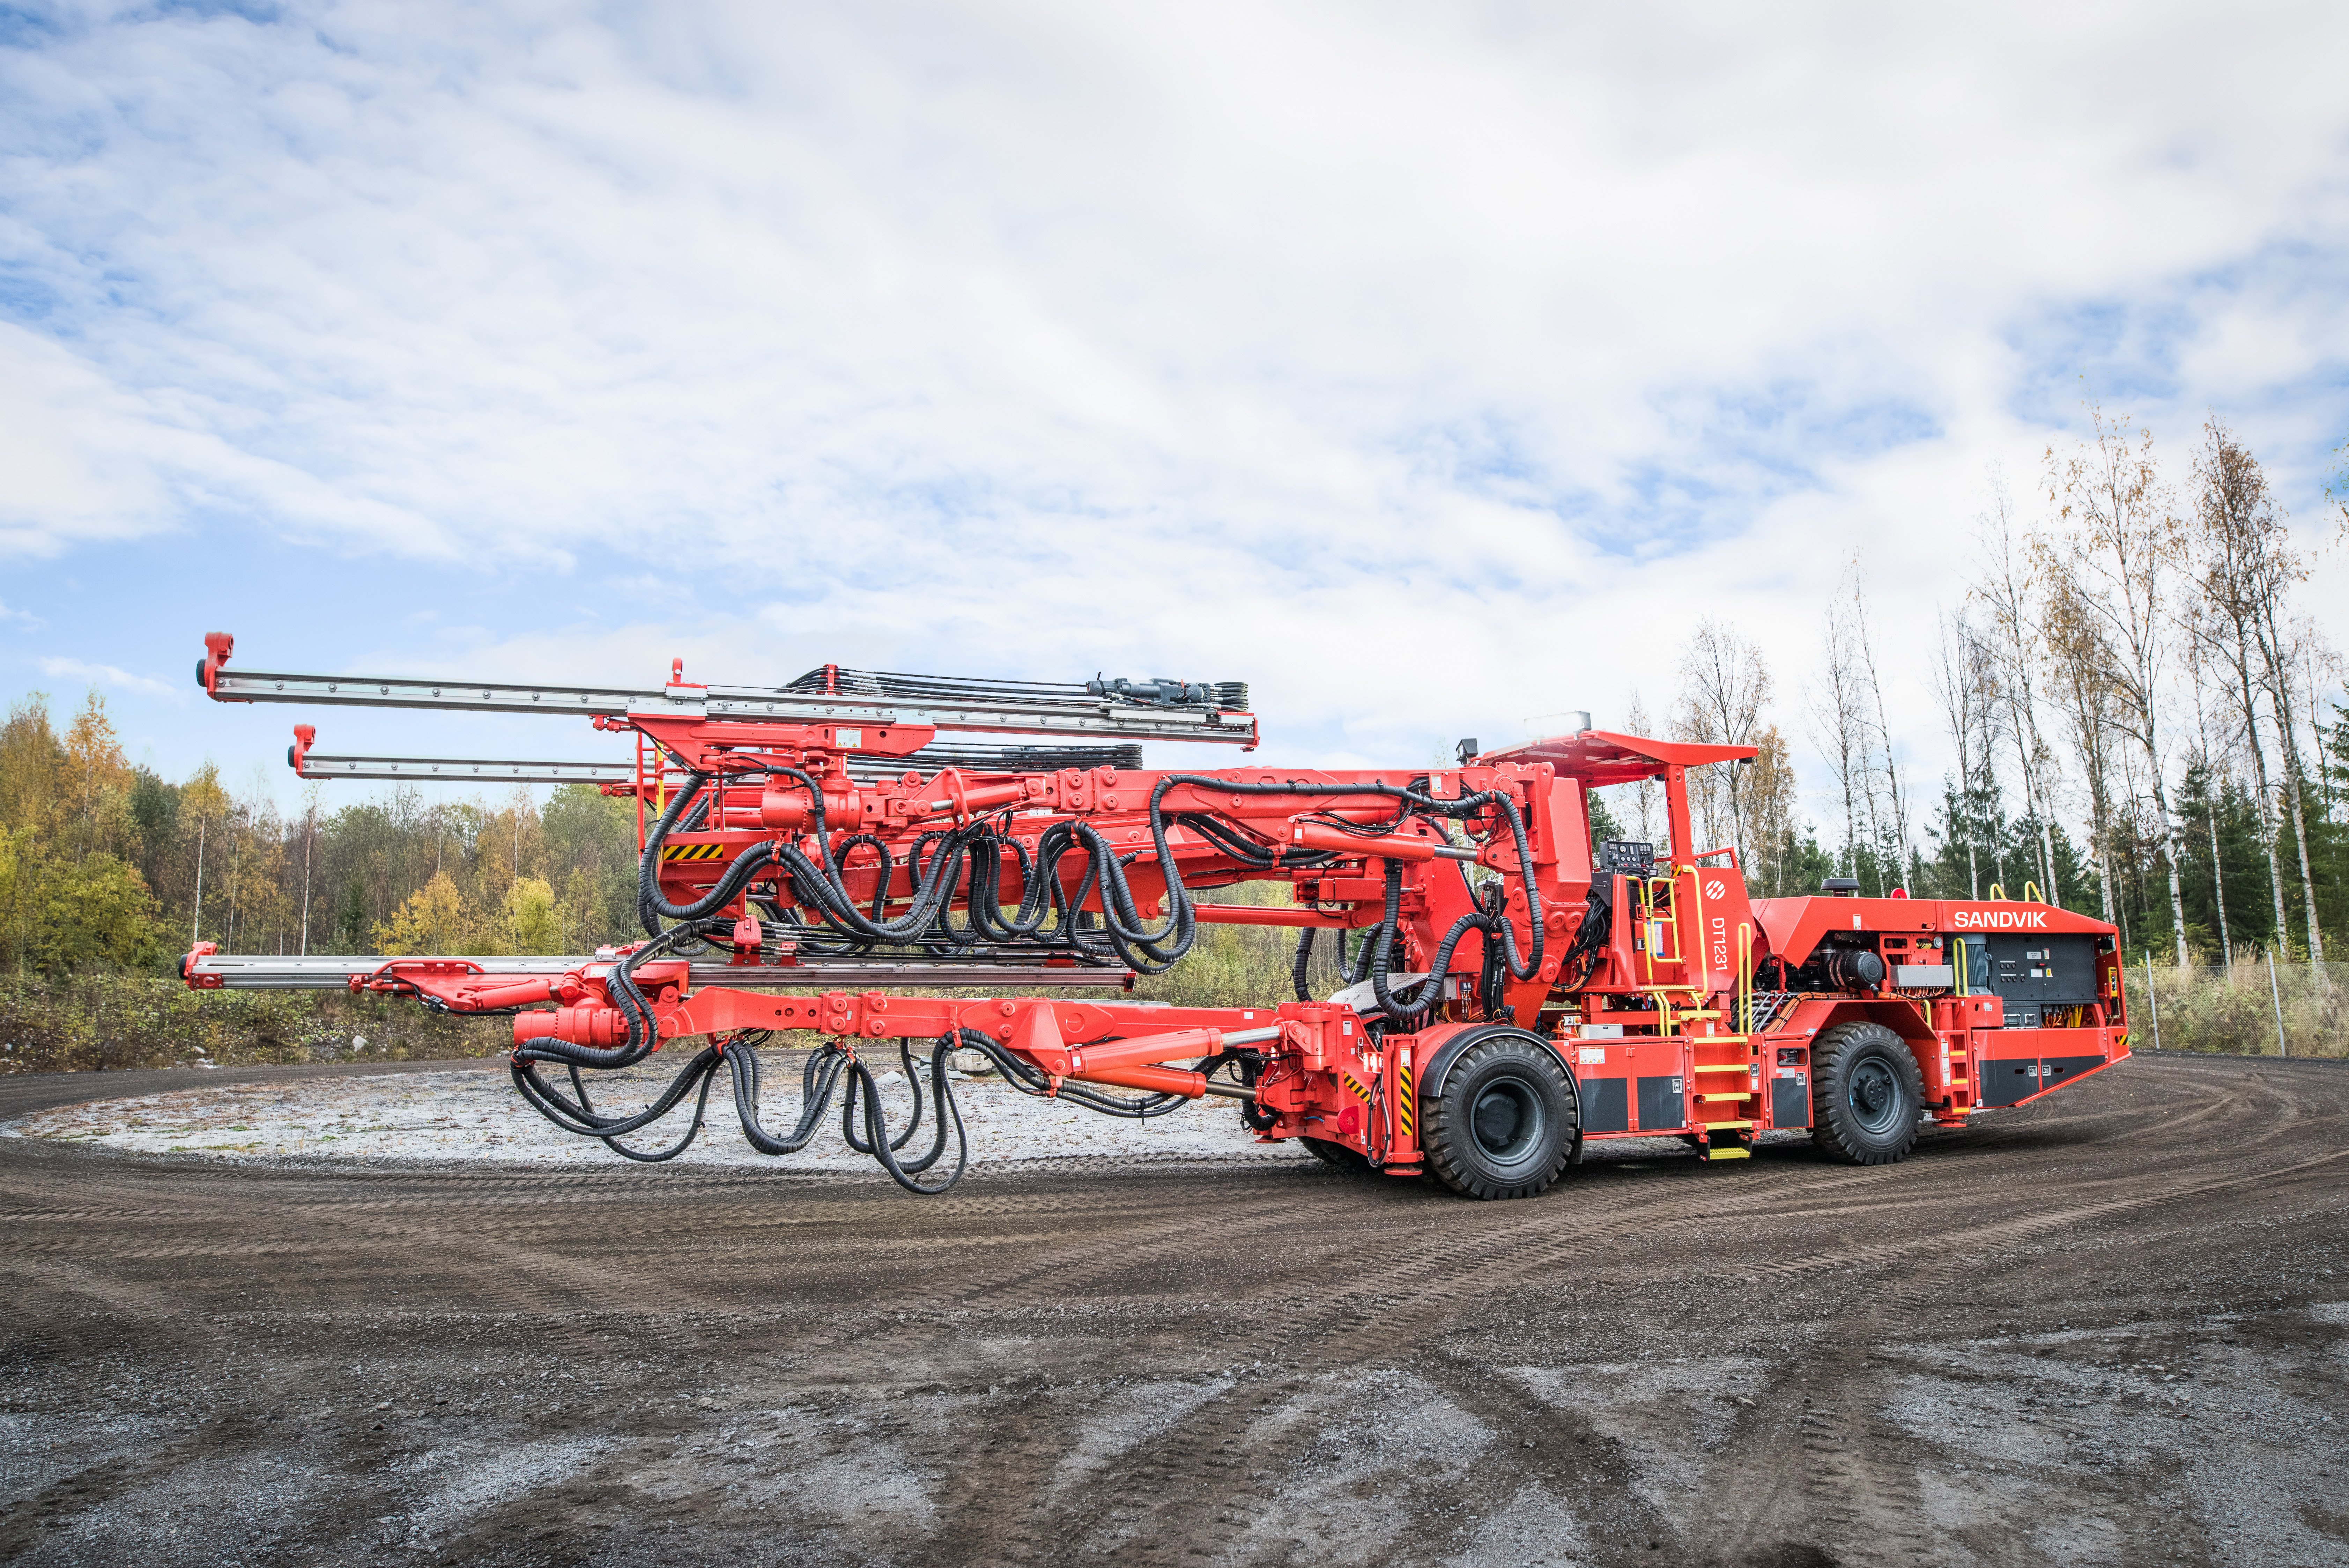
(1725, 686)
(2212, 774)
(2008, 590)
(2283, 656)
(1839, 725)
(1891, 822)
(2077, 662)
(2123, 544)
(1967, 687)
(2239, 546)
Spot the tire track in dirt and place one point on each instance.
(956, 1347)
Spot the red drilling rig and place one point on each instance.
(1513, 990)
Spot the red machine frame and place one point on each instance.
(1673, 1003)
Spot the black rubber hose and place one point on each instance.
(1172, 939)
(1402, 1014)
(621, 988)
(848, 1106)
(888, 867)
(876, 1139)
(743, 869)
(572, 1117)
(934, 883)
(818, 1078)
(707, 1066)
(1298, 965)
(1029, 1079)
(648, 860)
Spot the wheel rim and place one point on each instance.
(1874, 1095)
(1508, 1121)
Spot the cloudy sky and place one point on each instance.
(1430, 368)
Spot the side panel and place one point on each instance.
(1606, 1105)
(2034, 970)
(1619, 1075)
(2006, 1079)
(1663, 1104)
(2055, 1072)
(2020, 1062)
(1790, 1097)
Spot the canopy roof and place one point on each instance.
(1602, 757)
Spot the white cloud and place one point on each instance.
(108, 675)
(1427, 367)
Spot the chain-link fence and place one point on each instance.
(2250, 1008)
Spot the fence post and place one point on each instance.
(2152, 1008)
(2277, 992)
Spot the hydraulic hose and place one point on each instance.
(817, 1080)
(968, 861)
(741, 872)
(864, 1123)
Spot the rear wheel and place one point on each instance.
(1505, 1121)
(1866, 1095)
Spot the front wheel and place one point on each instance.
(1867, 1094)
(1507, 1119)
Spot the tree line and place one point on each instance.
(2143, 723)
(107, 865)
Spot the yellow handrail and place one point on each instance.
(1695, 984)
(1744, 976)
(1646, 933)
(2032, 895)
(1998, 892)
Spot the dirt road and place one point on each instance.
(2110, 1328)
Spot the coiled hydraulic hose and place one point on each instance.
(864, 1123)
(1373, 960)
(969, 859)
(741, 872)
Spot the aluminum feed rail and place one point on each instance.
(1007, 707)
(257, 971)
(311, 764)
(470, 770)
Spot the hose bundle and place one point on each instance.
(1373, 960)
(864, 1125)
(965, 864)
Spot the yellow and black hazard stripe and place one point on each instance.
(1355, 1087)
(1406, 1099)
(692, 851)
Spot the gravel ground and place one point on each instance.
(2110, 1328)
(471, 1116)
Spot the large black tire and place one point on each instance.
(1506, 1120)
(1866, 1095)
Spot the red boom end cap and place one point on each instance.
(217, 645)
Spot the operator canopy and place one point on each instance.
(1601, 757)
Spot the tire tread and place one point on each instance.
(1438, 1137)
(1828, 1053)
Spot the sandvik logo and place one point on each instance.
(1716, 888)
(2000, 920)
